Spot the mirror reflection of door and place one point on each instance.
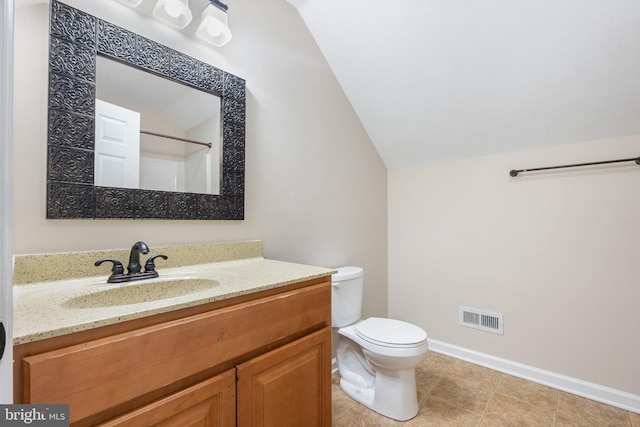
(117, 146)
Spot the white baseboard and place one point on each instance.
(613, 397)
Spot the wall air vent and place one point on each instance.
(480, 319)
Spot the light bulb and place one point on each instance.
(175, 13)
(173, 8)
(214, 28)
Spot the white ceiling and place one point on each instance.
(442, 79)
(136, 89)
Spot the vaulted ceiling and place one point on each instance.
(443, 79)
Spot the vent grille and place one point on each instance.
(483, 320)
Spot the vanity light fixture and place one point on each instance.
(175, 13)
(131, 3)
(214, 27)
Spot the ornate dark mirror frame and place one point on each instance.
(75, 39)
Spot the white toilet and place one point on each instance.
(376, 357)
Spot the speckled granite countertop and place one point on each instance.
(53, 308)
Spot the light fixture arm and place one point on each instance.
(219, 5)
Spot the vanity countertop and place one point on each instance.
(49, 309)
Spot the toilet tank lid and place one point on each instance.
(347, 273)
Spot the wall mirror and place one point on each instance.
(191, 171)
(154, 133)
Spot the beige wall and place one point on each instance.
(316, 189)
(557, 253)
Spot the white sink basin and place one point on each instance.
(139, 292)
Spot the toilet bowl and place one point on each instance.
(376, 357)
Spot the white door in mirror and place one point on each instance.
(117, 146)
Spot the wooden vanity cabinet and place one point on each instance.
(260, 360)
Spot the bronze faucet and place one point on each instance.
(133, 269)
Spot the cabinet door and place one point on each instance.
(210, 403)
(289, 386)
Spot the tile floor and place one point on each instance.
(453, 392)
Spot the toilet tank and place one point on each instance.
(346, 296)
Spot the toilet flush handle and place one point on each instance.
(335, 284)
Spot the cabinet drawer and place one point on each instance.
(97, 375)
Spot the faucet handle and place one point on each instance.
(117, 265)
(150, 264)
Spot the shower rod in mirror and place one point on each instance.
(176, 138)
(515, 172)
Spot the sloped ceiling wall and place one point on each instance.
(435, 79)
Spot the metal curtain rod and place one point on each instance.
(190, 141)
(515, 172)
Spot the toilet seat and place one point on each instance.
(390, 333)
